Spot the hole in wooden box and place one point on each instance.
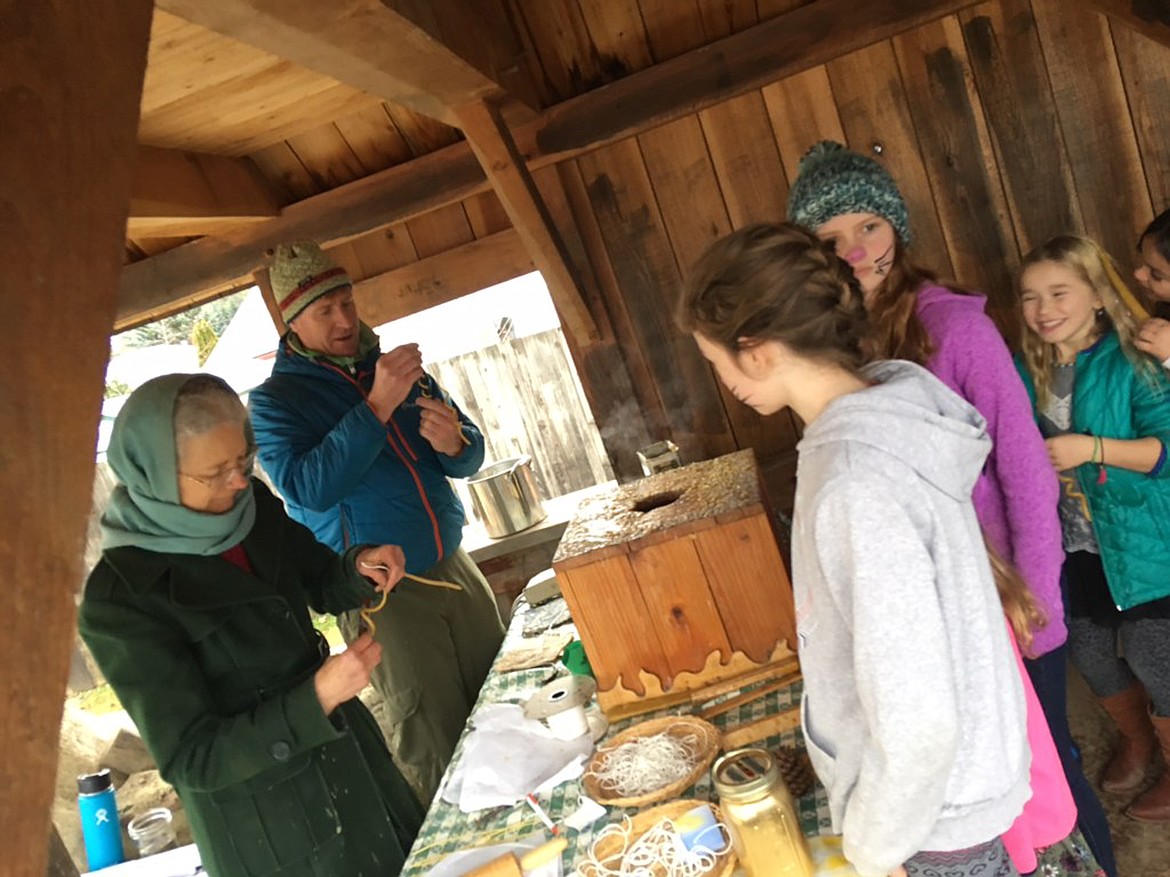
(656, 501)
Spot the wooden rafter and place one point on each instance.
(1148, 17)
(506, 170)
(362, 43)
(694, 81)
(791, 43)
(213, 266)
(184, 193)
(442, 277)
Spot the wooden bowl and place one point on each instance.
(710, 741)
(642, 822)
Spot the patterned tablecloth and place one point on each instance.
(447, 829)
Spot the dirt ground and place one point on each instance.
(1142, 850)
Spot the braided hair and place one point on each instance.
(778, 282)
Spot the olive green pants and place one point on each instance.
(437, 648)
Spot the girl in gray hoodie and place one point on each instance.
(913, 708)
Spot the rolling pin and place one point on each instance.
(508, 865)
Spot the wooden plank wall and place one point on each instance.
(1005, 125)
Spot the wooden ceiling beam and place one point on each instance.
(770, 51)
(442, 277)
(507, 171)
(212, 266)
(1148, 17)
(362, 43)
(775, 49)
(177, 194)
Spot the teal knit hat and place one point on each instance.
(833, 181)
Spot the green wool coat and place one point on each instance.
(1130, 510)
(215, 666)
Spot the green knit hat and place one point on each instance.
(301, 273)
(833, 181)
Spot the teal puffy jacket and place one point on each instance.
(1131, 510)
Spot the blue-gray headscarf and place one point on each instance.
(144, 509)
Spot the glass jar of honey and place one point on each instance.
(760, 816)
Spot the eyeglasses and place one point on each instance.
(224, 478)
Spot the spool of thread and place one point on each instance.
(700, 832)
(561, 706)
(568, 725)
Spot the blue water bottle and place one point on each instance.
(99, 820)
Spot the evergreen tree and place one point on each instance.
(203, 337)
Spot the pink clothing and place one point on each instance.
(1050, 814)
(1017, 494)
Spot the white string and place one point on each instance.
(659, 852)
(646, 764)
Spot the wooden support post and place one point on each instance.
(492, 143)
(263, 279)
(70, 85)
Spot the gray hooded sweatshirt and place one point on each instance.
(913, 707)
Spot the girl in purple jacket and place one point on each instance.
(852, 201)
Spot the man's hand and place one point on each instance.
(394, 375)
(1069, 451)
(439, 425)
(342, 676)
(383, 565)
(1154, 338)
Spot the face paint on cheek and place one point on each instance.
(883, 263)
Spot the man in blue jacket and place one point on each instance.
(360, 444)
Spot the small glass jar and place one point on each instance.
(659, 457)
(760, 816)
(152, 831)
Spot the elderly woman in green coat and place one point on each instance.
(198, 616)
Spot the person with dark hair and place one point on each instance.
(914, 712)
(197, 615)
(851, 201)
(1105, 408)
(361, 444)
(1153, 274)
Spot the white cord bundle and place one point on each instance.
(659, 852)
(646, 764)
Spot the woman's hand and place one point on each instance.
(342, 676)
(900, 871)
(440, 426)
(1069, 451)
(1154, 338)
(371, 561)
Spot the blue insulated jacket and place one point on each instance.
(350, 478)
(1130, 510)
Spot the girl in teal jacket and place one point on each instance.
(1105, 411)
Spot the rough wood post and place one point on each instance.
(70, 84)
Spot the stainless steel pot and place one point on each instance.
(505, 497)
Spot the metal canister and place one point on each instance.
(760, 816)
(659, 457)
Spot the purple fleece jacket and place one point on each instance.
(1017, 494)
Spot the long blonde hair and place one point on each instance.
(1019, 604)
(1121, 310)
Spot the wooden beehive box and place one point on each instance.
(676, 583)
